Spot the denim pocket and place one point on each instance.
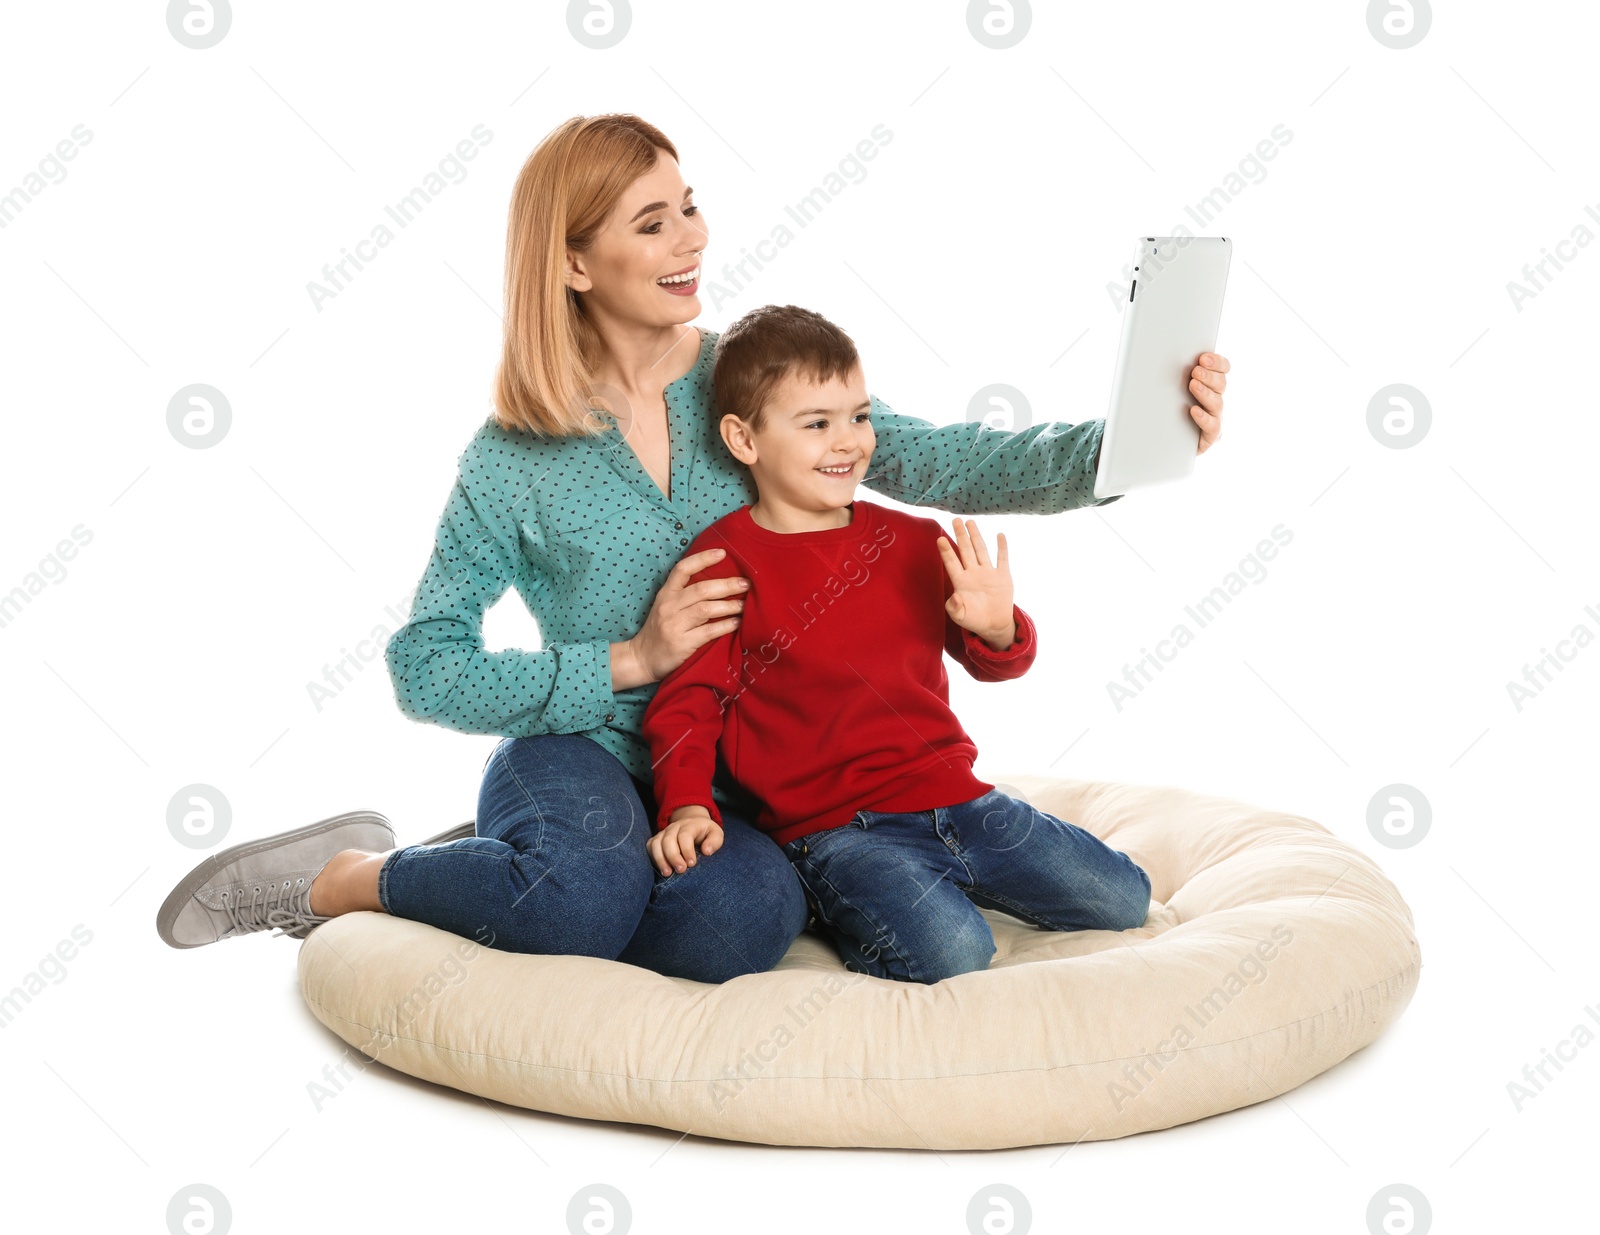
(814, 842)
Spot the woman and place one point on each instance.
(601, 462)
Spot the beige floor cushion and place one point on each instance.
(1272, 951)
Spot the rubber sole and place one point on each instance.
(191, 883)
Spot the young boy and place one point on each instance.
(829, 702)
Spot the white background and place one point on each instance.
(179, 645)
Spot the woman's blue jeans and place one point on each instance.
(559, 867)
(898, 893)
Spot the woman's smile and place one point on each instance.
(681, 283)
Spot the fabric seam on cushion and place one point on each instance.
(945, 1076)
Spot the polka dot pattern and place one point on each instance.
(587, 538)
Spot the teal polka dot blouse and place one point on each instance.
(577, 526)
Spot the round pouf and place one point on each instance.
(1272, 951)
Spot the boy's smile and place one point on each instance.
(811, 451)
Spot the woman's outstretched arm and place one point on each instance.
(972, 468)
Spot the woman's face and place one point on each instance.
(655, 231)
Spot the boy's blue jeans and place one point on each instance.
(898, 893)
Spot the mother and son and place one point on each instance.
(738, 722)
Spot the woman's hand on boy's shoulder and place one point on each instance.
(1207, 381)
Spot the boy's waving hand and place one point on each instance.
(981, 600)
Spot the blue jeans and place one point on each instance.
(559, 867)
(898, 893)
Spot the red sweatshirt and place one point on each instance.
(831, 696)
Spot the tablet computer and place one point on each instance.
(1173, 311)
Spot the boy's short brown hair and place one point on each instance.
(769, 344)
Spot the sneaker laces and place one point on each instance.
(284, 908)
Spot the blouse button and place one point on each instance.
(677, 525)
(682, 541)
(611, 716)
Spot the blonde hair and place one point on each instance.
(566, 190)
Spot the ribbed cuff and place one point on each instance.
(1021, 642)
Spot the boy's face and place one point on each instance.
(814, 443)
